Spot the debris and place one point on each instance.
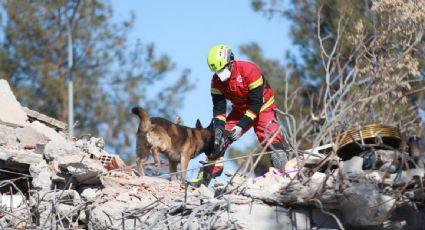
(52, 181)
(51, 122)
(354, 165)
(11, 202)
(29, 147)
(11, 112)
(112, 162)
(354, 141)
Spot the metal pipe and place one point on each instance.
(70, 83)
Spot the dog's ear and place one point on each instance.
(198, 124)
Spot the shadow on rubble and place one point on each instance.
(17, 173)
(405, 217)
(374, 181)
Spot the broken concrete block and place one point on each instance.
(317, 180)
(112, 162)
(11, 112)
(108, 215)
(89, 194)
(65, 196)
(400, 179)
(69, 159)
(54, 150)
(51, 122)
(28, 136)
(3, 223)
(94, 148)
(354, 165)
(8, 137)
(68, 211)
(48, 132)
(363, 204)
(124, 197)
(41, 175)
(17, 223)
(262, 216)
(11, 201)
(86, 171)
(18, 160)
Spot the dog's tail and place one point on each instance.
(145, 121)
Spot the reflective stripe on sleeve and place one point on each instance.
(250, 114)
(256, 83)
(216, 91)
(221, 117)
(267, 104)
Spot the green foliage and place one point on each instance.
(110, 74)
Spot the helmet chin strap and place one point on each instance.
(230, 65)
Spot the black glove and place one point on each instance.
(221, 141)
(218, 124)
(218, 143)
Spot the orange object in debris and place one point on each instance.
(28, 147)
(111, 162)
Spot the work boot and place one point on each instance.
(279, 156)
(208, 172)
(204, 177)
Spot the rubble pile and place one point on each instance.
(50, 180)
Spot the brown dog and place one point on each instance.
(178, 143)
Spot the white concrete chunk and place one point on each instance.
(11, 201)
(50, 133)
(41, 175)
(354, 165)
(10, 109)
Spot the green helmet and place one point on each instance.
(218, 57)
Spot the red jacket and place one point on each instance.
(246, 88)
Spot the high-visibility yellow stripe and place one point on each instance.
(250, 114)
(267, 104)
(218, 164)
(221, 117)
(256, 83)
(215, 91)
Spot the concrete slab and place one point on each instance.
(262, 216)
(11, 111)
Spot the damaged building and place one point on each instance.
(370, 179)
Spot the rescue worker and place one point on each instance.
(242, 83)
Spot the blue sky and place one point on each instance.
(185, 30)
